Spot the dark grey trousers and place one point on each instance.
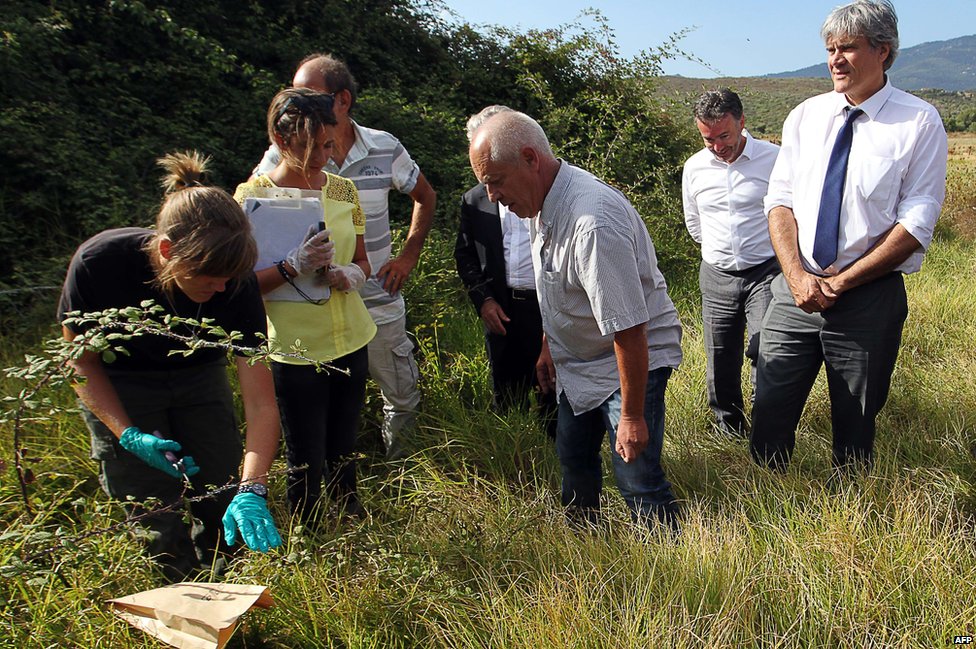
(857, 340)
(732, 303)
(195, 407)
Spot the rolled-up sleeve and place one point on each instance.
(923, 186)
(780, 191)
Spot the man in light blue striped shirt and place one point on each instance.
(612, 335)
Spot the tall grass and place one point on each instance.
(465, 544)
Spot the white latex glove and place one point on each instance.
(316, 252)
(347, 278)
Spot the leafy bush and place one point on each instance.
(94, 92)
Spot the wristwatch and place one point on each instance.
(255, 488)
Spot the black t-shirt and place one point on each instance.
(110, 270)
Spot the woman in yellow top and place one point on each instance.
(319, 409)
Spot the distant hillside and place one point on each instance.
(945, 65)
(768, 100)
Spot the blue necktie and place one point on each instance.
(828, 220)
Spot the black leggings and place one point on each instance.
(319, 419)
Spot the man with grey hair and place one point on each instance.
(722, 190)
(376, 162)
(494, 260)
(612, 336)
(852, 205)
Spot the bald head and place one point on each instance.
(325, 73)
(508, 132)
(510, 154)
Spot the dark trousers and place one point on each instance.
(319, 419)
(732, 301)
(513, 357)
(194, 407)
(857, 340)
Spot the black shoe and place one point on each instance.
(351, 507)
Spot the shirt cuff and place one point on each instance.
(918, 217)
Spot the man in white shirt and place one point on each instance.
(612, 333)
(722, 190)
(376, 162)
(494, 261)
(852, 205)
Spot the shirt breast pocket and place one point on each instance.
(551, 288)
(874, 178)
(562, 308)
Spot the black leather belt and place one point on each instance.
(523, 293)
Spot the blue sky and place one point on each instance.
(744, 38)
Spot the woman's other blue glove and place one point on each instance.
(152, 450)
(248, 513)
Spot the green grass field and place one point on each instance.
(466, 546)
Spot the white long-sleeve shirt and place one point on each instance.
(723, 205)
(896, 173)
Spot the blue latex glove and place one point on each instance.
(152, 450)
(248, 513)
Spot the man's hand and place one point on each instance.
(494, 317)
(631, 437)
(545, 370)
(811, 293)
(395, 272)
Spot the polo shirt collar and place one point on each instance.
(361, 147)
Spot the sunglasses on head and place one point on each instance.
(302, 105)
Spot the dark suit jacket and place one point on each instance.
(480, 251)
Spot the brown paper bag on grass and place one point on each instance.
(191, 615)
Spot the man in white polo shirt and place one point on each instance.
(494, 261)
(376, 162)
(722, 189)
(852, 204)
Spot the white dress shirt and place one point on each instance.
(895, 175)
(723, 205)
(518, 250)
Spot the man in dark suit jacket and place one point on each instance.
(513, 324)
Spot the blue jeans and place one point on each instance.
(641, 482)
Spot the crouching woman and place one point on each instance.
(147, 407)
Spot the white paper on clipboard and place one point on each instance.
(280, 219)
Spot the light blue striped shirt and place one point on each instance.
(596, 274)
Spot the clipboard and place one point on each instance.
(280, 220)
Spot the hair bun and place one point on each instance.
(183, 169)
